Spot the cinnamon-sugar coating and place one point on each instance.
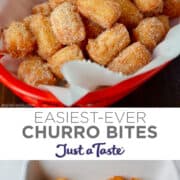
(149, 32)
(108, 44)
(34, 71)
(67, 24)
(131, 59)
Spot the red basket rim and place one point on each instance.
(18, 86)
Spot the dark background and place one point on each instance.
(163, 90)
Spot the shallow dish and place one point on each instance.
(102, 170)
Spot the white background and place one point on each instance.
(14, 146)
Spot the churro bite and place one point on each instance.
(27, 20)
(150, 7)
(117, 178)
(67, 24)
(69, 53)
(34, 71)
(172, 8)
(131, 59)
(43, 9)
(92, 29)
(103, 12)
(165, 20)
(46, 40)
(149, 32)
(62, 178)
(108, 44)
(130, 14)
(18, 40)
(55, 3)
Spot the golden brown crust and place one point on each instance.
(150, 7)
(131, 59)
(165, 20)
(92, 29)
(103, 12)
(34, 71)
(55, 3)
(18, 40)
(130, 14)
(43, 8)
(67, 24)
(27, 20)
(69, 53)
(172, 8)
(108, 44)
(117, 178)
(46, 41)
(149, 32)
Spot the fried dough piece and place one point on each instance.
(117, 178)
(34, 71)
(108, 44)
(43, 8)
(69, 53)
(149, 32)
(27, 20)
(150, 7)
(172, 8)
(18, 40)
(103, 12)
(131, 59)
(165, 20)
(133, 178)
(92, 29)
(55, 3)
(46, 41)
(130, 14)
(67, 24)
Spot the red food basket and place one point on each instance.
(99, 98)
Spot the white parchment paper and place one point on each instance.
(85, 76)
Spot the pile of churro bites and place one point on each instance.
(117, 34)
